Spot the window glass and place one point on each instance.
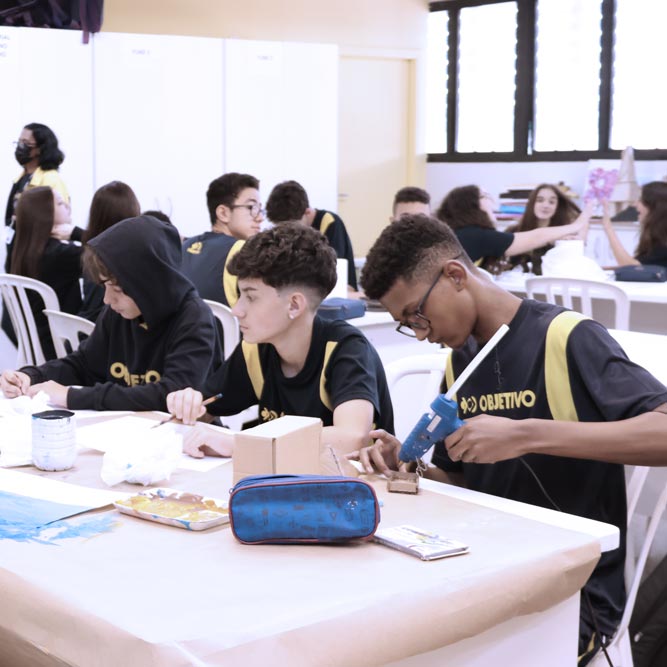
(567, 84)
(639, 101)
(436, 83)
(487, 73)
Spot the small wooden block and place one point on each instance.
(403, 482)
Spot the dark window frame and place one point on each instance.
(524, 101)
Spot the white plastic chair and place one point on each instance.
(408, 406)
(230, 325)
(66, 327)
(14, 290)
(586, 290)
(231, 338)
(619, 649)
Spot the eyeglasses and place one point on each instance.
(420, 323)
(24, 143)
(255, 209)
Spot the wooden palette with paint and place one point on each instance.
(175, 508)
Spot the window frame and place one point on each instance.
(524, 100)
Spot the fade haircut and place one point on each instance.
(226, 189)
(288, 255)
(409, 194)
(287, 202)
(408, 248)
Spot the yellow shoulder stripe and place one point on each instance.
(324, 396)
(556, 376)
(449, 375)
(327, 219)
(230, 282)
(251, 355)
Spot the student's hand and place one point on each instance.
(486, 439)
(62, 232)
(606, 214)
(186, 405)
(381, 455)
(14, 383)
(56, 392)
(207, 440)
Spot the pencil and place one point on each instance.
(208, 401)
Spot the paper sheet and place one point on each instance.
(107, 435)
(55, 491)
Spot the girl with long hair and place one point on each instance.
(37, 254)
(652, 210)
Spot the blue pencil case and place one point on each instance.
(298, 509)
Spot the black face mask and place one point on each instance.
(22, 154)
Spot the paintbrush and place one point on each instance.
(208, 401)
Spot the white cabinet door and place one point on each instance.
(159, 120)
(281, 115)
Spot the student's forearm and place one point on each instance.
(622, 256)
(537, 238)
(344, 440)
(640, 440)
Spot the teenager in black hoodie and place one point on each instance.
(154, 336)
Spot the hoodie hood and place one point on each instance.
(144, 255)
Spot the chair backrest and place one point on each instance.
(14, 290)
(412, 400)
(66, 327)
(585, 290)
(619, 649)
(230, 325)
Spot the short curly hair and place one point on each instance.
(408, 248)
(291, 254)
(287, 202)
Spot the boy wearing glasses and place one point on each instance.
(236, 214)
(552, 366)
(291, 362)
(288, 202)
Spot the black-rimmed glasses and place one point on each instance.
(255, 209)
(420, 321)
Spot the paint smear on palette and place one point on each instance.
(26, 519)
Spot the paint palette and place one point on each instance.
(175, 508)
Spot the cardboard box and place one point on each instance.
(287, 445)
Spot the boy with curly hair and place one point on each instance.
(291, 361)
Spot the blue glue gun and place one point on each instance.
(433, 426)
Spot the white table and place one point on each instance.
(147, 594)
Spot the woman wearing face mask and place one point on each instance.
(37, 254)
(38, 154)
(547, 206)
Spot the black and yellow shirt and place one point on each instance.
(333, 228)
(341, 366)
(205, 259)
(556, 364)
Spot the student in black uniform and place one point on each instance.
(154, 336)
(652, 213)
(288, 202)
(236, 214)
(469, 212)
(410, 200)
(552, 365)
(40, 212)
(111, 203)
(291, 361)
